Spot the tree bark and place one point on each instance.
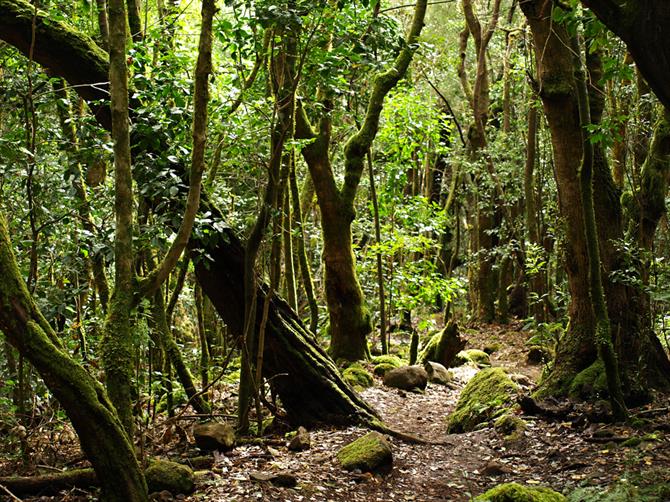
(643, 25)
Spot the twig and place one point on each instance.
(405, 6)
(446, 102)
(9, 494)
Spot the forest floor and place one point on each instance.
(565, 454)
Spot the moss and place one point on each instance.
(367, 453)
(442, 346)
(492, 348)
(391, 359)
(166, 475)
(489, 394)
(358, 377)
(514, 492)
(478, 357)
(590, 382)
(382, 369)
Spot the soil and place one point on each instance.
(562, 453)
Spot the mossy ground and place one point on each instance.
(488, 395)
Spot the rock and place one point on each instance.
(510, 426)
(538, 354)
(514, 492)
(478, 357)
(407, 378)
(487, 395)
(443, 346)
(162, 475)
(212, 436)
(162, 496)
(358, 377)
(282, 478)
(495, 469)
(301, 441)
(438, 373)
(371, 452)
(521, 379)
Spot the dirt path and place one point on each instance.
(555, 454)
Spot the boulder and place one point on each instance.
(489, 394)
(371, 452)
(514, 492)
(212, 436)
(407, 378)
(443, 346)
(301, 441)
(164, 475)
(438, 373)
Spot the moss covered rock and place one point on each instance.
(358, 377)
(165, 475)
(489, 394)
(478, 357)
(514, 492)
(510, 426)
(371, 452)
(390, 359)
(443, 346)
(212, 436)
(382, 369)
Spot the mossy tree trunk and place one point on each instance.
(117, 346)
(641, 360)
(576, 349)
(603, 330)
(93, 416)
(485, 279)
(349, 318)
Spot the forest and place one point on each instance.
(365, 250)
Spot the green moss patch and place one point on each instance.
(368, 453)
(443, 346)
(514, 492)
(478, 357)
(391, 359)
(589, 383)
(358, 377)
(488, 395)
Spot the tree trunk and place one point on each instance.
(576, 350)
(100, 432)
